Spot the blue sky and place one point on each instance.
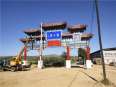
(18, 15)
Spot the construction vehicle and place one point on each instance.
(15, 63)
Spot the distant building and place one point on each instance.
(109, 56)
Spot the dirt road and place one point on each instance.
(58, 77)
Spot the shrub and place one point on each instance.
(54, 61)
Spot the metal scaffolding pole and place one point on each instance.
(40, 61)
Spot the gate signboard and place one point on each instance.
(53, 35)
(54, 38)
(77, 37)
(74, 43)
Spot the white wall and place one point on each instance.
(109, 56)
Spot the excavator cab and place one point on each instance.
(14, 61)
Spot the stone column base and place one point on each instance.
(40, 64)
(24, 62)
(88, 64)
(68, 63)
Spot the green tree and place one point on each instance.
(63, 55)
(82, 53)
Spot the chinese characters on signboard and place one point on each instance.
(54, 38)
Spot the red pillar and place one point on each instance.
(68, 53)
(25, 53)
(68, 61)
(87, 53)
(88, 60)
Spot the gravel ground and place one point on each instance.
(58, 77)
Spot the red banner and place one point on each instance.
(54, 43)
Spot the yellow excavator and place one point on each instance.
(16, 63)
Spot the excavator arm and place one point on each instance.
(17, 60)
(18, 57)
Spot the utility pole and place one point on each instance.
(100, 41)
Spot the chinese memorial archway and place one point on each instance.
(52, 34)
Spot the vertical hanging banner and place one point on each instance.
(54, 38)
